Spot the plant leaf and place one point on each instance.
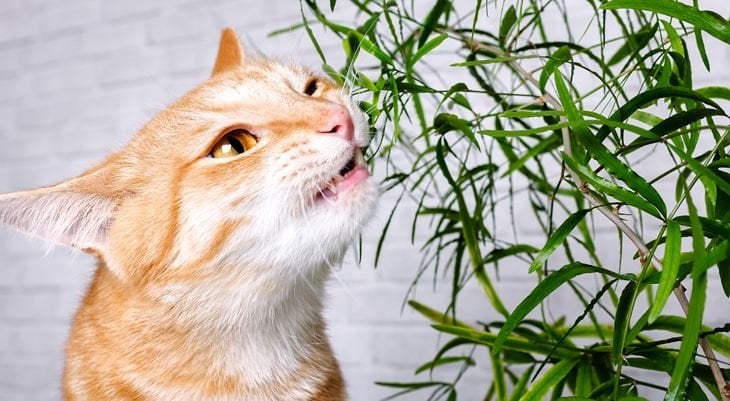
(555, 60)
(608, 187)
(701, 170)
(512, 343)
(539, 389)
(612, 164)
(508, 20)
(709, 22)
(551, 282)
(434, 315)
(649, 97)
(426, 48)
(557, 238)
(670, 269)
(432, 19)
(621, 322)
(686, 356)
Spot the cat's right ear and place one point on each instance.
(230, 52)
(76, 213)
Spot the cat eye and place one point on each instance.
(311, 87)
(233, 144)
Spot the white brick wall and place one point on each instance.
(78, 77)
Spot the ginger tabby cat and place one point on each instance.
(215, 229)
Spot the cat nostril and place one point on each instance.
(333, 130)
(339, 123)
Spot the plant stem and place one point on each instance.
(609, 213)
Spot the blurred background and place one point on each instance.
(79, 77)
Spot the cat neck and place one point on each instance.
(263, 331)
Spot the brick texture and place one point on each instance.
(78, 77)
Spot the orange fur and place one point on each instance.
(211, 272)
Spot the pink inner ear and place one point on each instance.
(59, 216)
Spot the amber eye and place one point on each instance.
(311, 87)
(233, 144)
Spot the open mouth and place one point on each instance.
(350, 175)
(348, 167)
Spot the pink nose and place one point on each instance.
(338, 122)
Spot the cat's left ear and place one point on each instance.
(230, 52)
(75, 213)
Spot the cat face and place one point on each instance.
(259, 169)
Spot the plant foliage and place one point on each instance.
(593, 120)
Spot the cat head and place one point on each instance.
(258, 168)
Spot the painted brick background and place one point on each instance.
(78, 77)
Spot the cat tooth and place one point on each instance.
(337, 179)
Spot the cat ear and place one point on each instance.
(230, 52)
(76, 213)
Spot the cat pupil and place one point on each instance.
(237, 145)
(311, 88)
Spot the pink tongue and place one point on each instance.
(354, 177)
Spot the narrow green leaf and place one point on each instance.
(540, 388)
(512, 343)
(711, 227)
(365, 82)
(470, 236)
(670, 269)
(724, 269)
(701, 170)
(553, 281)
(432, 19)
(445, 122)
(501, 253)
(555, 60)
(312, 38)
(434, 315)
(426, 48)
(500, 133)
(715, 92)
(621, 322)
(493, 60)
(521, 385)
(612, 164)
(445, 361)
(670, 125)
(701, 48)
(332, 5)
(686, 356)
(583, 385)
(530, 113)
(333, 74)
(650, 97)
(500, 386)
(557, 238)
(608, 187)
(709, 22)
(508, 20)
(370, 47)
(688, 348)
(717, 254)
(545, 145)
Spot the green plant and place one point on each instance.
(540, 116)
